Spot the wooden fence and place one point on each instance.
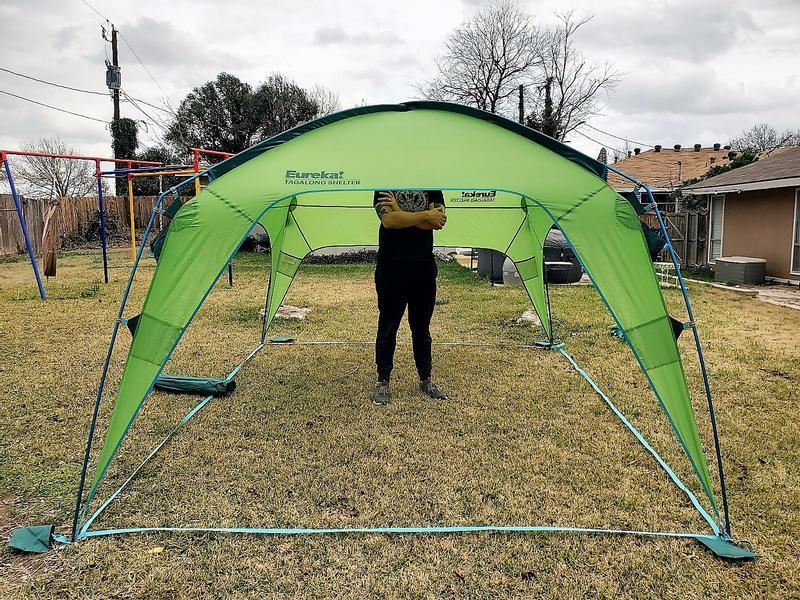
(688, 232)
(75, 217)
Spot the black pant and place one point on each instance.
(399, 284)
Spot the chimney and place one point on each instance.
(726, 147)
(677, 147)
(731, 155)
(657, 148)
(629, 153)
(712, 159)
(636, 151)
(697, 147)
(716, 147)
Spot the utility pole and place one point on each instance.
(115, 66)
(114, 83)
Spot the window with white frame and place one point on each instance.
(796, 235)
(715, 219)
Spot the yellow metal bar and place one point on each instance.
(184, 172)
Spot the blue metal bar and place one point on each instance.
(23, 224)
(144, 170)
(698, 346)
(102, 211)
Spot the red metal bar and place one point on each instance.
(197, 151)
(79, 157)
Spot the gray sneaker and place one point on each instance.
(381, 395)
(431, 390)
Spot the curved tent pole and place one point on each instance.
(693, 326)
(106, 364)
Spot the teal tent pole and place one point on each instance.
(696, 335)
(24, 226)
(107, 363)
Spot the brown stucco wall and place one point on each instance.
(759, 224)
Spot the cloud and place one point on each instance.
(328, 36)
(671, 88)
(698, 32)
(160, 43)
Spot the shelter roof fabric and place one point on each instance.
(312, 187)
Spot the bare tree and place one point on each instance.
(572, 82)
(327, 101)
(763, 137)
(487, 58)
(53, 178)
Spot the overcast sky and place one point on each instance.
(691, 72)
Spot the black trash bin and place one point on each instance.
(490, 264)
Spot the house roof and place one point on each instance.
(780, 169)
(667, 169)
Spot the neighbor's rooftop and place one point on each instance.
(664, 169)
(780, 169)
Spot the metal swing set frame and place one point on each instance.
(130, 169)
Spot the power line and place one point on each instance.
(145, 102)
(141, 62)
(74, 89)
(591, 139)
(58, 85)
(141, 110)
(616, 136)
(97, 12)
(63, 110)
(624, 153)
(144, 66)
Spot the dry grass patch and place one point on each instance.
(523, 440)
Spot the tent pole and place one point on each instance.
(24, 226)
(106, 364)
(704, 371)
(547, 298)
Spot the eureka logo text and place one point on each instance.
(318, 177)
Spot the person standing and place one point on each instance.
(405, 276)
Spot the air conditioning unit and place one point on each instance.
(740, 270)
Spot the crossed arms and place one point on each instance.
(393, 217)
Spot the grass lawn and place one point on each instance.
(522, 440)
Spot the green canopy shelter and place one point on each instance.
(312, 187)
